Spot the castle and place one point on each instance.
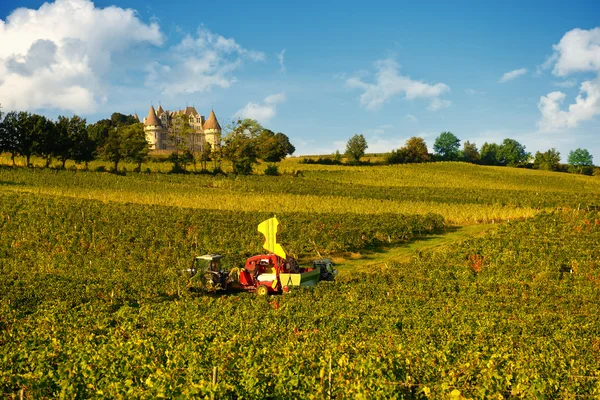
(162, 128)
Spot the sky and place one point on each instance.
(319, 72)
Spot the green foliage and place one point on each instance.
(134, 145)
(470, 152)
(489, 153)
(415, 151)
(355, 148)
(447, 146)
(512, 153)
(578, 160)
(548, 160)
(272, 170)
(240, 146)
(84, 147)
(273, 147)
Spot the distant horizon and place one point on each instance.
(391, 71)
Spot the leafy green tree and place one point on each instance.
(27, 136)
(180, 139)
(579, 159)
(273, 147)
(355, 148)
(240, 146)
(512, 153)
(415, 150)
(470, 152)
(9, 135)
(113, 149)
(447, 146)
(99, 132)
(548, 160)
(489, 153)
(47, 139)
(205, 155)
(64, 140)
(118, 119)
(134, 145)
(84, 147)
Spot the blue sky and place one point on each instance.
(318, 71)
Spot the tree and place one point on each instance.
(512, 153)
(99, 132)
(273, 147)
(179, 137)
(64, 141)
(470, 152)
(355, 148)
(84, 147)
(118, 119)
(27, 136)
(489, 153)
(134, 145)
(447, 146)
(205, 155)
(548, 161)
(414, 151)
(9, 135)
(47, 142)
(579, 159)
(240, 145)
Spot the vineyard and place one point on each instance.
(93, 301)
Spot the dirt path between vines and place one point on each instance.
(373, 260)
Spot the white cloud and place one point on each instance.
(473, 92)
(566, 84)
(578, 51)
(509, 76)
(585, 107)
(281, 59)
(57, 56)
(411, 118)
(389, 83)
(199, 63)
(275, 98)
(262, 112)
(437, 104)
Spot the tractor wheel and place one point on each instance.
(262, 290)
(330, 277)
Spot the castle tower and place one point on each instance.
(212, 130)
(155, 133)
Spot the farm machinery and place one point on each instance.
(274, 272)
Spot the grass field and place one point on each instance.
(455, 280)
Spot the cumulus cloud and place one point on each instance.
(389, 83)
(197, 64)
(578, 51)
(281, 59)
(509, 76)
(264, 111)
(57, 56)
(438, 104)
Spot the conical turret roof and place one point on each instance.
(211, 122)
(160, 110)
(151, 118)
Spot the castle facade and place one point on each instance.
(163, 129)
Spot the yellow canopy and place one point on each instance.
(269, 229)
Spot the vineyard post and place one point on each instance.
(214, 377)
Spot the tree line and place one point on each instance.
(447, 148)
(122, 138)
